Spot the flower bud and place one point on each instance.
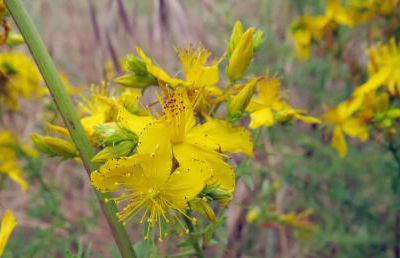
(258, 39)
(216, 193)
(114, 151)
(201, 206)
(134, 80)
(241, 56)
(135, 65)
(253, 215)
(53, 146)
(111, 134)
(237, 33)
(14, 39)
(238, 103)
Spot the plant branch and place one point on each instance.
(193, 239)
(70, 117)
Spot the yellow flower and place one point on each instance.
(299, 221)
(344, 122)
(268, 108)
(197, 73)
(307, 28)
(155, 191)
(203, 142)
(301, 34)
(384, 65)
(98, 108)
(102, 108)
(9, 164)
(368, 9)
(336, 12)
(8, 224)
(19, 77)
(200, 79)
(377, 110)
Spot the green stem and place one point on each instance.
(396, 182)
(193, 238)
(70, 117)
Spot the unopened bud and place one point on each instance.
(111, 134)
(133, 80)
(119, 150)
(201, 206)
(54, 146)
(239, 102)
(241, 56)
(14, 39)
(216, 193)
(253, 214)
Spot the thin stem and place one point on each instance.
(396, 182)
(193, 239)
(70, 117)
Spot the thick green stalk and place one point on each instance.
(70, 117)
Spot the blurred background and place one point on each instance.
(341, 207)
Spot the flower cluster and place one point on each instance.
(171, 157)
(320, 28)
(9, 164)
(19, 78)
(373, 104)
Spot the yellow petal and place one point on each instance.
(158, 72)
(182, 186)
(90, 122)
(7, 226)
(155, 141)
(339, 141)
(307, 119)
(374, 82)
(209, 164)
(16, 176)
(221, 136)
(355, 128)
(196, 72)
(131, 122)
(262, 117)
(115, 171)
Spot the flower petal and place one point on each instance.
(182, 186)
(7, 226)
(221, 136)
(209, 164)
(262, 117)
(339, 141)
(158, 72)
(132, 122)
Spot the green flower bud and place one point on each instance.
(201, 206)
(238, 103)
(133, 80)
(237, 33)
(114, 151)
(216, 193)
(53, 146)
(14, 39)
(135, 65)
(111, 134)
(241, 56)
